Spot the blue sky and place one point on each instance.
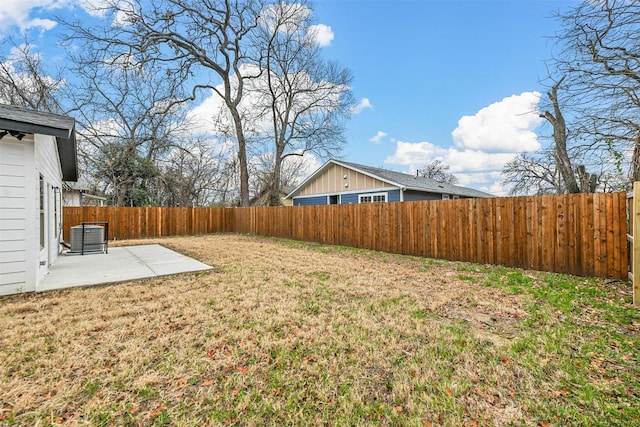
(453, 80)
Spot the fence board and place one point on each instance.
(583, 234)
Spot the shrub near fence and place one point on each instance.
(582, 234)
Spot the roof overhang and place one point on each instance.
(21, 120)
(67, 151)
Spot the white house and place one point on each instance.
(37, 153)
(77, 194)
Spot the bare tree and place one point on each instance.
(130, 116)
(25, 82)
(533, 174)
(560, 153)
(194, 36)
(596, 125)
(303, 98)
(438, 171)
(262, 178)
(599, 52)
(195, 174)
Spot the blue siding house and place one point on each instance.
(338, 182)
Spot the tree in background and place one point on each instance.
(130, 115)
(302, 98)
(25, 81)
(599, 53)
(533, 174)
(593, 107)
(438, 171)
(196, 173)
(293, 170)
(133, 77)
(192, 36)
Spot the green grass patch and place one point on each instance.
(323, 335)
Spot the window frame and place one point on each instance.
(372, 197)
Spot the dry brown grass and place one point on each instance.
(285, 333)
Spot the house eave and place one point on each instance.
(21, 120)
(35, 122)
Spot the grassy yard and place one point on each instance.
(290, 333)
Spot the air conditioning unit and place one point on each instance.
(93, 238)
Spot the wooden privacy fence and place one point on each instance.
(583, 234)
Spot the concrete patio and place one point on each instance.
(120, 264)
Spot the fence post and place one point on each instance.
(635, 245)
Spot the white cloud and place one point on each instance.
(363, 104)
(323, 34)
(44, 24)
(97, 7)
(377, 137)
(473, 168)
(21, 13)
(204, 114)
(124, 16)
(213, 117)
(504, 126)
(415, 155)
(484, 143)
(287, 17)
(16, 13)
(489, 182)
(476, 161)
(303, 165)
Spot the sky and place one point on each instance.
(458, 81)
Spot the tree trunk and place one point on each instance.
(242, 154)
(274, 196)
(563, 163)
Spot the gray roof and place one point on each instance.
(398, 179)
(21, 120)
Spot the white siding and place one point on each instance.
(47, 164)
(16, 217)
(72, 198)
(22, 262)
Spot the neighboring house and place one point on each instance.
(338, 182)
(77, 194)
(37, 153)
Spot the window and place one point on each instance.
(333, 200)
(445, 197)
(373, 198)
